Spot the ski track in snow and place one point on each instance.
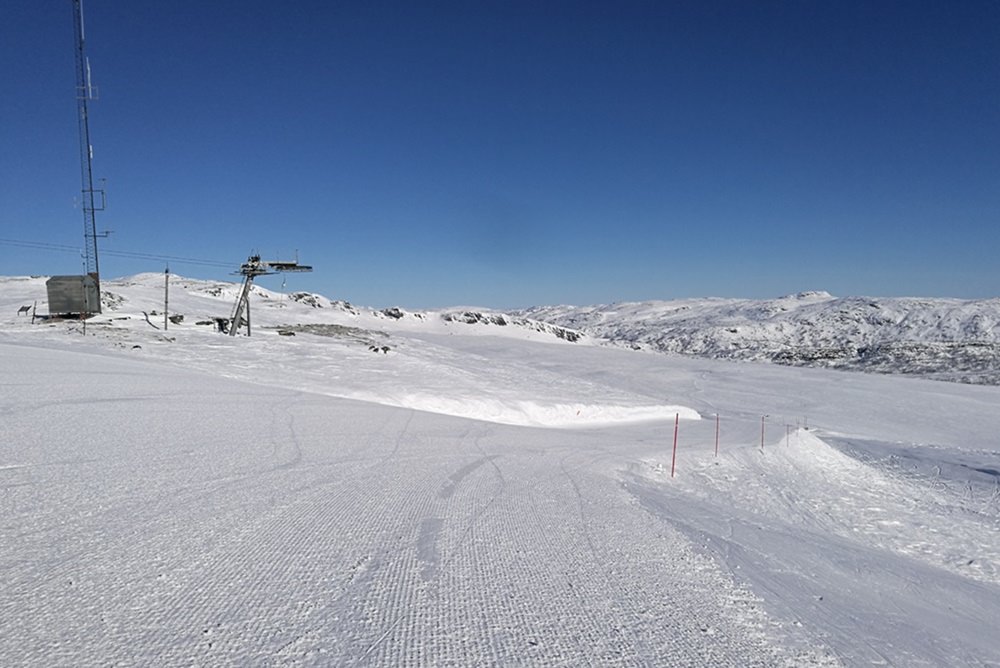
(282, 528)
(194, 499)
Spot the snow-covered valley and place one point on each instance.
(945, 339)
(358, 487)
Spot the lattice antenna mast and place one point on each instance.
(93, 199)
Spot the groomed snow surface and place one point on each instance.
(473, 495)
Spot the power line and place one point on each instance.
(168, 258)
(41, 245)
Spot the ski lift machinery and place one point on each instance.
(250, 270)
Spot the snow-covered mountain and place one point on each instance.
(944, 339)
(948, 339)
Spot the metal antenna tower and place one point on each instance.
(93, 199)
(250, 270)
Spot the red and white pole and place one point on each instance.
(673, 461)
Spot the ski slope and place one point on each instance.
(476, 495)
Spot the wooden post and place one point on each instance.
(716, 435)
(673, 461)
(166, 296)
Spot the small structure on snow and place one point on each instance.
(73, 296)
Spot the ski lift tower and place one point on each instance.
(250, 270)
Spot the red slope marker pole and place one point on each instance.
(673, 461)
(716, 435)
(762, 432)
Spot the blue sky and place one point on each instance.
(508, 154)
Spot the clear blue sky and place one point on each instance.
(514, 153)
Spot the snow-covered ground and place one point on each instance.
(394, 488)
(944, 339)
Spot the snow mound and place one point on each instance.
(531, 413)
(805, 481)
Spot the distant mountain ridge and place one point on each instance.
(944, 339)
(947, 339)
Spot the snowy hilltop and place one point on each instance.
(946, 339)
(942, 339)
(133, 317)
